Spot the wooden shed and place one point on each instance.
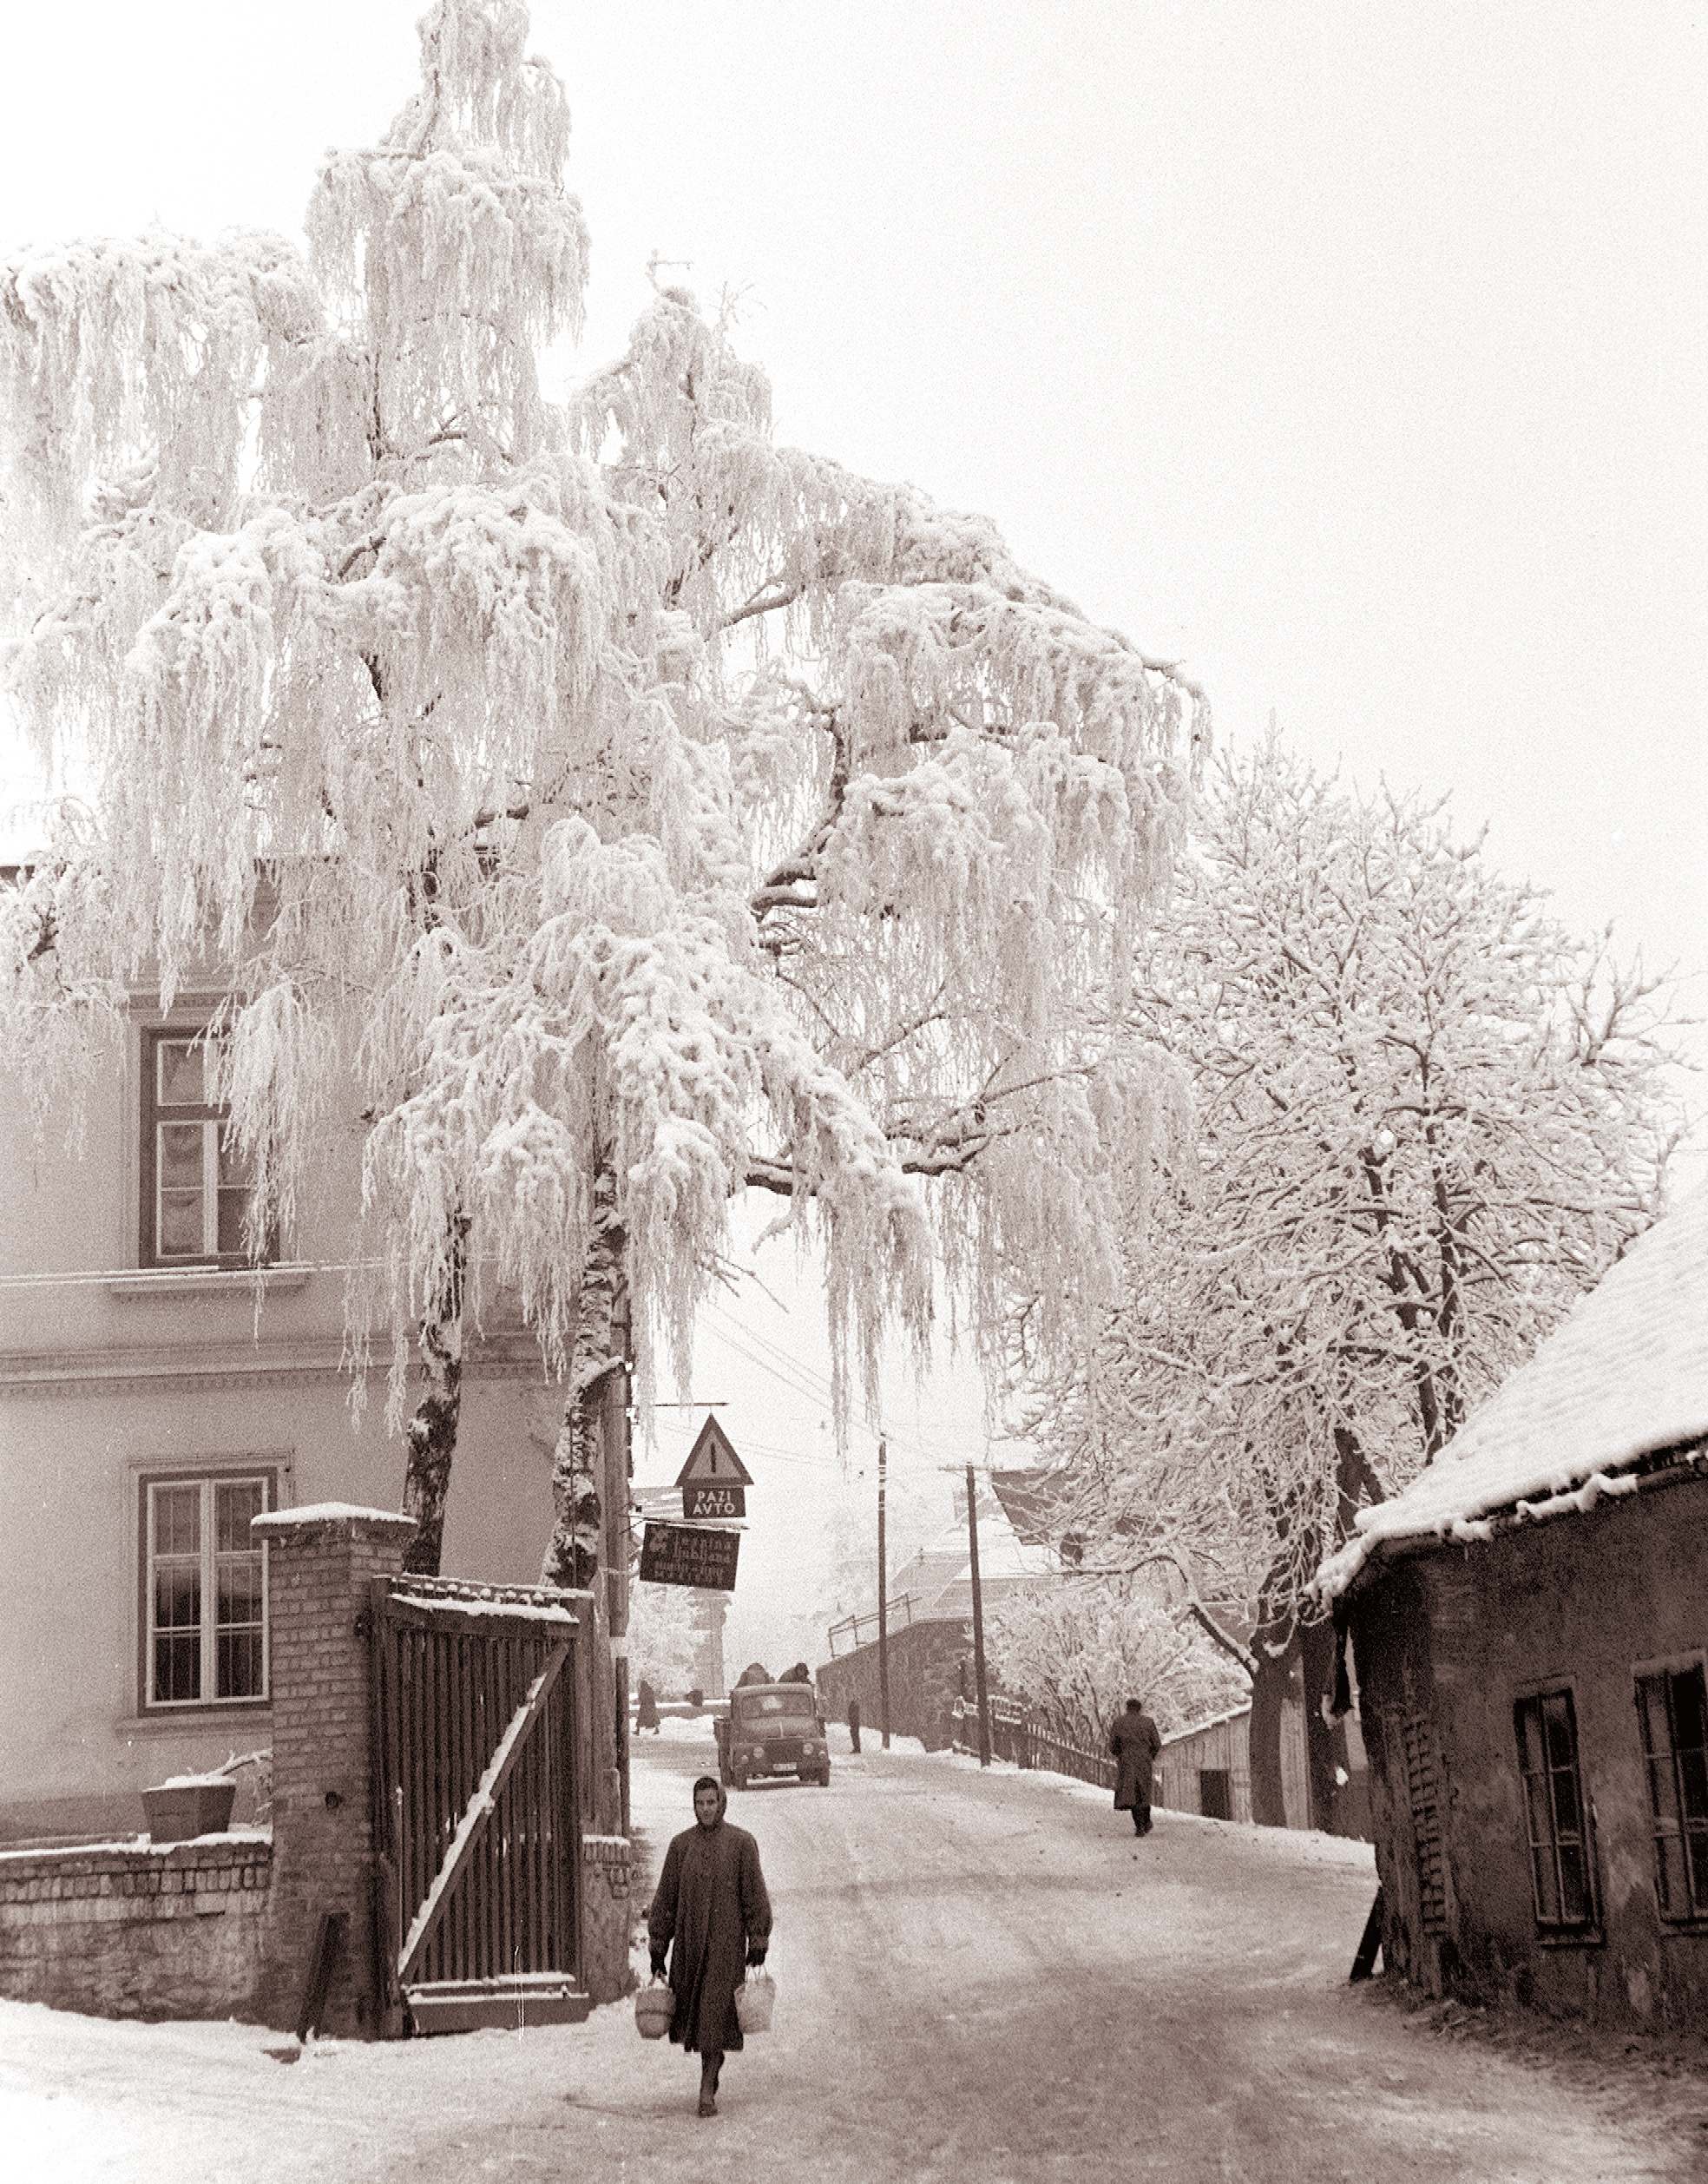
(1207, 1769)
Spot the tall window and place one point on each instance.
(205, 1635)
(1559, 1867)
(195, 1185)
(1673, 1719)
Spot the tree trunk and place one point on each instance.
(1325, 1737)
(431, 1438)
(1269, 1691)
(571, 1556)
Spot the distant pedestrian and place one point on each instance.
(646, 1712)
(854, 1722)
(1135, 1744)
(712, 1903)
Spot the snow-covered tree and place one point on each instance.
(663, 1639)
(1427, 1122)
(636, 809)
(1078, 1650)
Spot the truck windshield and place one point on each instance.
(766, 1705)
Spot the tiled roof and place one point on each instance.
(1627, 1374)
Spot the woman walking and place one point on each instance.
(1135, 1744)
(711, 1905)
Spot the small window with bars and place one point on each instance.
(1672, 1721)
(196, 1184)
(204, 1639)
(1562, 1879)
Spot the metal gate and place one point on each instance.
(477, 1816)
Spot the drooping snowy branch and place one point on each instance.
(602, 789)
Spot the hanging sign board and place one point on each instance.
(678, 1554)
(699, 1503)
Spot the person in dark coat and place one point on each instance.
(854, 1723)
(711, 1905)
(647, 1712)
(1135, 1744)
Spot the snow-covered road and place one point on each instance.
(979, 1977)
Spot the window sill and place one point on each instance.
(206, 1281)
(1579, 1937)
(160, 1721)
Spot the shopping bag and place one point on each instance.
(755, 1999)
(655, 2007)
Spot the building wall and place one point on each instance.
(1452, 1639)
(107, 1371)
(925, 1681)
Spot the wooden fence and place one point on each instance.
(1029, 1741)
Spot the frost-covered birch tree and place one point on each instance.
(1427, 1122)
(635, 810)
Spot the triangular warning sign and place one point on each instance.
(713, 1460)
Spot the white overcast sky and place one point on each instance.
(1355, 354)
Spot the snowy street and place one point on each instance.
(977, 1977)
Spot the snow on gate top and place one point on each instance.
(1628, 1374)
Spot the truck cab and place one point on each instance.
(773, 1729)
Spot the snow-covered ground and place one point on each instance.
(980, 1977)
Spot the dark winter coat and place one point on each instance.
(711, 1902)
(647, 1714)
(1135, 1744)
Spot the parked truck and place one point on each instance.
(772, 1729)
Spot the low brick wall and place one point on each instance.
(925, 1662)
(605, 1870)
(121, 1931)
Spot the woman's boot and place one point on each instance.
(710, 2065)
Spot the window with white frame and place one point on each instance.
(196, 1185)
(204, 1620)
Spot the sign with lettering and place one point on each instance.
(699, 1503)
(713, 1460)
(684, 1555)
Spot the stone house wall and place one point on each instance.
(1447, 1642)
(925, 1681)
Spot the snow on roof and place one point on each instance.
(1627, 1374)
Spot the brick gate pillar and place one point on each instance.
(320, 1560)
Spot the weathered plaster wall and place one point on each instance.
(105, 1373)
(607, 1916)
(1458, 1635)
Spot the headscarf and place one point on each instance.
(710, 1782)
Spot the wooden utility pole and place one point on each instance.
(883, 1603)
(978, 1623)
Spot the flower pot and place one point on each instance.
(177, 1811)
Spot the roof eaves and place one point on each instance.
(1655, 1468)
